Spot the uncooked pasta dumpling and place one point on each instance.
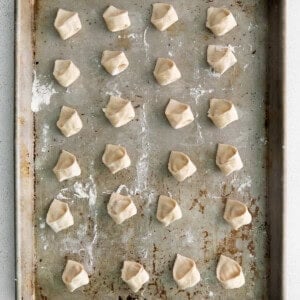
(180, 165)
(221, 58)
(119, 111)
(67, 23)
(236, 214)
(115, 158)
(59, 216)
(185, 272)
(228, 159)
(163, 16)
(222, 112)
(134, 275)
(65, 72)
(230, 273)
(114, 62)
(120, 207)
(168, 210)
(220, 20)
(66, 167)
(179, 114)
(166, 71)
(74, 275)
(116, 19)
(69, 121)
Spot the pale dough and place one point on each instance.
(236, 214)
(69, 121)
(185, 272)
(115, 158)
(221, 58)
(59, 216)
(168, 210)
(179, 114)
(67, 23)
(65, 72)
(120, 207)
(222, 112)
(134, 275)
(180, 165)
(66, 167)
(228, 159)
(230, 273)
(220, 20)
(116, 19)
(163, 16)
(114, 62)
(166, 71)
(74, 275)
(119, 111)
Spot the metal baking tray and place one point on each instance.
(256, 86)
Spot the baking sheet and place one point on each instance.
(202, 233)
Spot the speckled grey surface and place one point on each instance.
(201, 234)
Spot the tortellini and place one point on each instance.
(59, 216)
(114, 62)
(230, 273)
(220, 20)
(67, 23)
(166, 71)
(222, 112)
(65, 72)
(115, 158)
(116, 19)
(179, 114)
(119, 111)
(74, 275)
(168, 210)
(236, 214)
(228, 159)
(120, 207)
(134, 275)
(185, 272)
(66, 167)
(220, 58)
(180, 166)
(163, 16)
(69, 121)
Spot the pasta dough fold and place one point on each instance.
(163, 16)
(114, 62)
(166, 71)
(116, 19)
(69, 121)
(65, 72)
(168, 210)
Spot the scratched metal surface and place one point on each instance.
(201, 234)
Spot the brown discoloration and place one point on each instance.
(176, 28)
(123, 41)
(25, 164)
(21, 120)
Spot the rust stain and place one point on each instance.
(21, 120)
(25, 164)
(176, 28)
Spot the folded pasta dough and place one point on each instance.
(222, 112)
(115, 158)
(180, 166)
(228, 159)
(67, 23)
(119, 111)
(236, 214)
(120, 207)
(168, 210)
(221, 58)
(179, 114)
(185, 272)
(166, 71)
(163, 16)
(114, 62)
(59, 216)
(116, 19)
(220, 20)
(74, 275)
(66, 167)
(69, 121)
(230, 273)
(134, 275)
(65, 72)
